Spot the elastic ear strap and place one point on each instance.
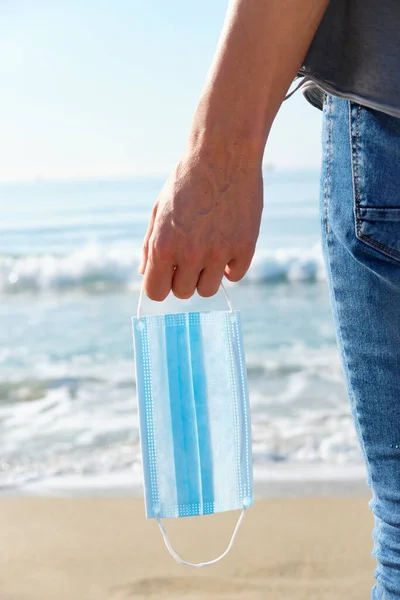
(140, 303)
(202, 564)
(228, 300)
(141, 295)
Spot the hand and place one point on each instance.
(204, 224)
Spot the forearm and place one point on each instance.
(262, 46)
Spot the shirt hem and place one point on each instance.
(347, 95)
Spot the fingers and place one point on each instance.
(161, 277)
(185, 281)
(237, 268)
(210, 280)
(211, 276)
(158, 279)
(145, 249)
(164, 271)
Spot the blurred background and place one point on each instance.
(95, 106)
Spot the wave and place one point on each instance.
(77, 420)
(99, 268)
(92, 266)
(62, 437)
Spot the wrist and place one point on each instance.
(219, 149)
(222, 137)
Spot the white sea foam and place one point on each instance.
(91, 265)
(287, 264)
(83, 431)
(99, 267)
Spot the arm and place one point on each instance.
(206, 221)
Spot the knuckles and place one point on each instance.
(218, 255)
(192, 256)
(163, 250)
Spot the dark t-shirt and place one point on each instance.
(356, 54)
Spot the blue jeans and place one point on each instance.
(360, 207)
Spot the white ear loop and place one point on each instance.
(141, 297)
(208, 563)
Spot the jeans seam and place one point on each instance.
(355, 165)
(355, 161)
(345, 361)
(355, 170)
(335, 308)
(378, 245)
(329, 160)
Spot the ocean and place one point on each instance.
(69, 284)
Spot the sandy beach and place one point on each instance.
(103, 548)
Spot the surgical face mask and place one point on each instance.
(194, 415)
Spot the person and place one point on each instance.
(205, 223)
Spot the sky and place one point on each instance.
(104, 88)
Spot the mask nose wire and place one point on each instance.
(141, 298)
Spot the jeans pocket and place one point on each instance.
(375, 148)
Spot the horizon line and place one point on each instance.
(39, 179)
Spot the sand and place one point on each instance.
(103, 548)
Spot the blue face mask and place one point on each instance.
(194, 415)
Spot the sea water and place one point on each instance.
(69, 283)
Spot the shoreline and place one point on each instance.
(275, 481)
(262, 490)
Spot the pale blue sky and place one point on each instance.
(98, 88)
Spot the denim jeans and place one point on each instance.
(360, 208)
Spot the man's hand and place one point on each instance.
(205, 224)
(207, 219)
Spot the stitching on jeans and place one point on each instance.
(355, 147)
(329, 161)
(354, 165)
(346, 363)
(391, 252)
(354, 169)
(357, 171)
